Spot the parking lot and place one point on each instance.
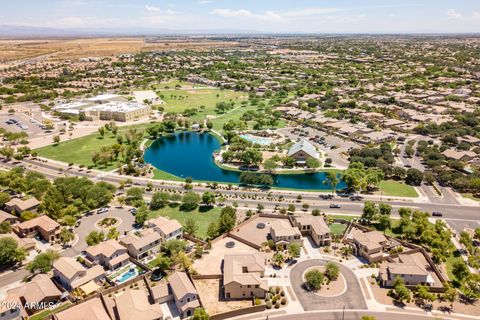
(19, 122)
(334, 147)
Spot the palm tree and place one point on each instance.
(332, 180)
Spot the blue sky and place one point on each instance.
(321, 16)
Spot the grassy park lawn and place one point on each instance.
(201, 217)
(397, 189)
(79, 151)
(179, 100)
(162, 175)
(449, 268)
(337, 228)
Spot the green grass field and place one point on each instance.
(397, 189)
(449, 267)
(179, 100)
(79, 151)
(202, 218)
(162, 175)
(337, 228)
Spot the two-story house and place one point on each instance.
(43, 226)
(315, 227)
(71, 274)
(370, 245)
(168, 228)
(184, 293)
(282, 233)
(242, 276)
(142, 245)
(110, 254)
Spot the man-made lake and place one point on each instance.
(189, 154)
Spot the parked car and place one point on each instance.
(133, 211)
(437, 214)
(102, 210)
(334, 206)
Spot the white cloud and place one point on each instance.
(204, 1)
(310, 12)
(476, 15)
(274, 16)
(151, 8)
(453, 14)
(266, 16)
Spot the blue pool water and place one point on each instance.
(127, 275)
(258, 140)
(189, 154)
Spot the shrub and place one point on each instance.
(257, 301)
(268, 305)
(282, 293)
(284, 301)
(277, 290)
(277, 305)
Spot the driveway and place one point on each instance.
(87, 225)
(352, 299)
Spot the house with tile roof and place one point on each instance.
(243, 276)
(184, 293)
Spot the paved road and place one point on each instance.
(450, 211)
(358, 314)
(351, 299)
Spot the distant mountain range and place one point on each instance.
(9, 31)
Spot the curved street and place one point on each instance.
(351, 299)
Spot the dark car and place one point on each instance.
(356, 198)
(326, 196)
(437, 214)
(133, 211)
(334, 206)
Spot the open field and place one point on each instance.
(201, 217)
(79, 151)
(179, 100)
(397, 189)
(17, 50)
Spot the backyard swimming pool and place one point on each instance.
(189, 154)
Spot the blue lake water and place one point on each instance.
(189, 154)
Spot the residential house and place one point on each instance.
(134, 304)
(7, 217)
(27, 244)
(315, 227)
(184, 293)
(71, 274)
(370, 245)
(40, 290)
(142, 245)
(168, 228)
(242, 276)
(91, 309)
(10, 308)
(19, 205)
(459, 155)
(282, 233)
(110, 254)
(470, 139)
(43, 226)
(303, 150)
(412, 268)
